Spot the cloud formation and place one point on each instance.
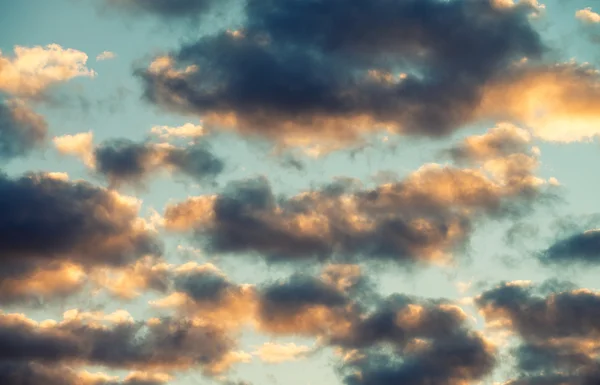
(586, 15)
(558, 327)
(361, 67)
(116, 341)
(21, 130)
(106, 55)
(31, 70)
(128, 161)
(52, 226)
(423, 218)
(427, 341)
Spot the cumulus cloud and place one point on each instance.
(31, 70)
(123, 160)
(116, 341)
(21, 130)
(363, 67)
(558, 102)
(583, 247)
(587, 15)
(80, 145)
(558, 327)
(26, 373)
(106, 55)
(503, 140)
(52, 227)
(128, 161)
(423, 218)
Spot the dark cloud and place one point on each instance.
(21, 130)
(558, 326)
(203, 285)
(123, 160)
(427, 341)
(578, 248)
(197, 162)
(166, 344)
(421, 218)
(339, 78)
(462, 358)
(296, 293)
(48, 222)
(27, 373)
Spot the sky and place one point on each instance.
(299, 192)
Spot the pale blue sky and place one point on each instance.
(81, 25)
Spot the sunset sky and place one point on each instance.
(299, 192)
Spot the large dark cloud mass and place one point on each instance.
(54, 225)
(307, 71)
(21, 130)
(425, 341)
(559, 328)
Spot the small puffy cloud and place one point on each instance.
(21, 130)
(187, 131)
(583, 247)
(277, 353)
(587, 15)
(128, 161)
(123, 160)
(503, 140)
(80, 144)
(106, 55)
(31, 70)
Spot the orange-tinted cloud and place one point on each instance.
(33, 69)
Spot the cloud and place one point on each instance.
(364, 67)
(558, 103)
(80, 144)
(423, 218)
(127, 161)
(56, 225)
(188, 130)
(558, 326)
(275, 353)
(106, 55)
(426, 341)
(26, 373)
(123, 160)
(503, 140)
(578, 248)
(117, 341)
(587, 15)
(21, 130)
(32, 70)
(458, 359)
